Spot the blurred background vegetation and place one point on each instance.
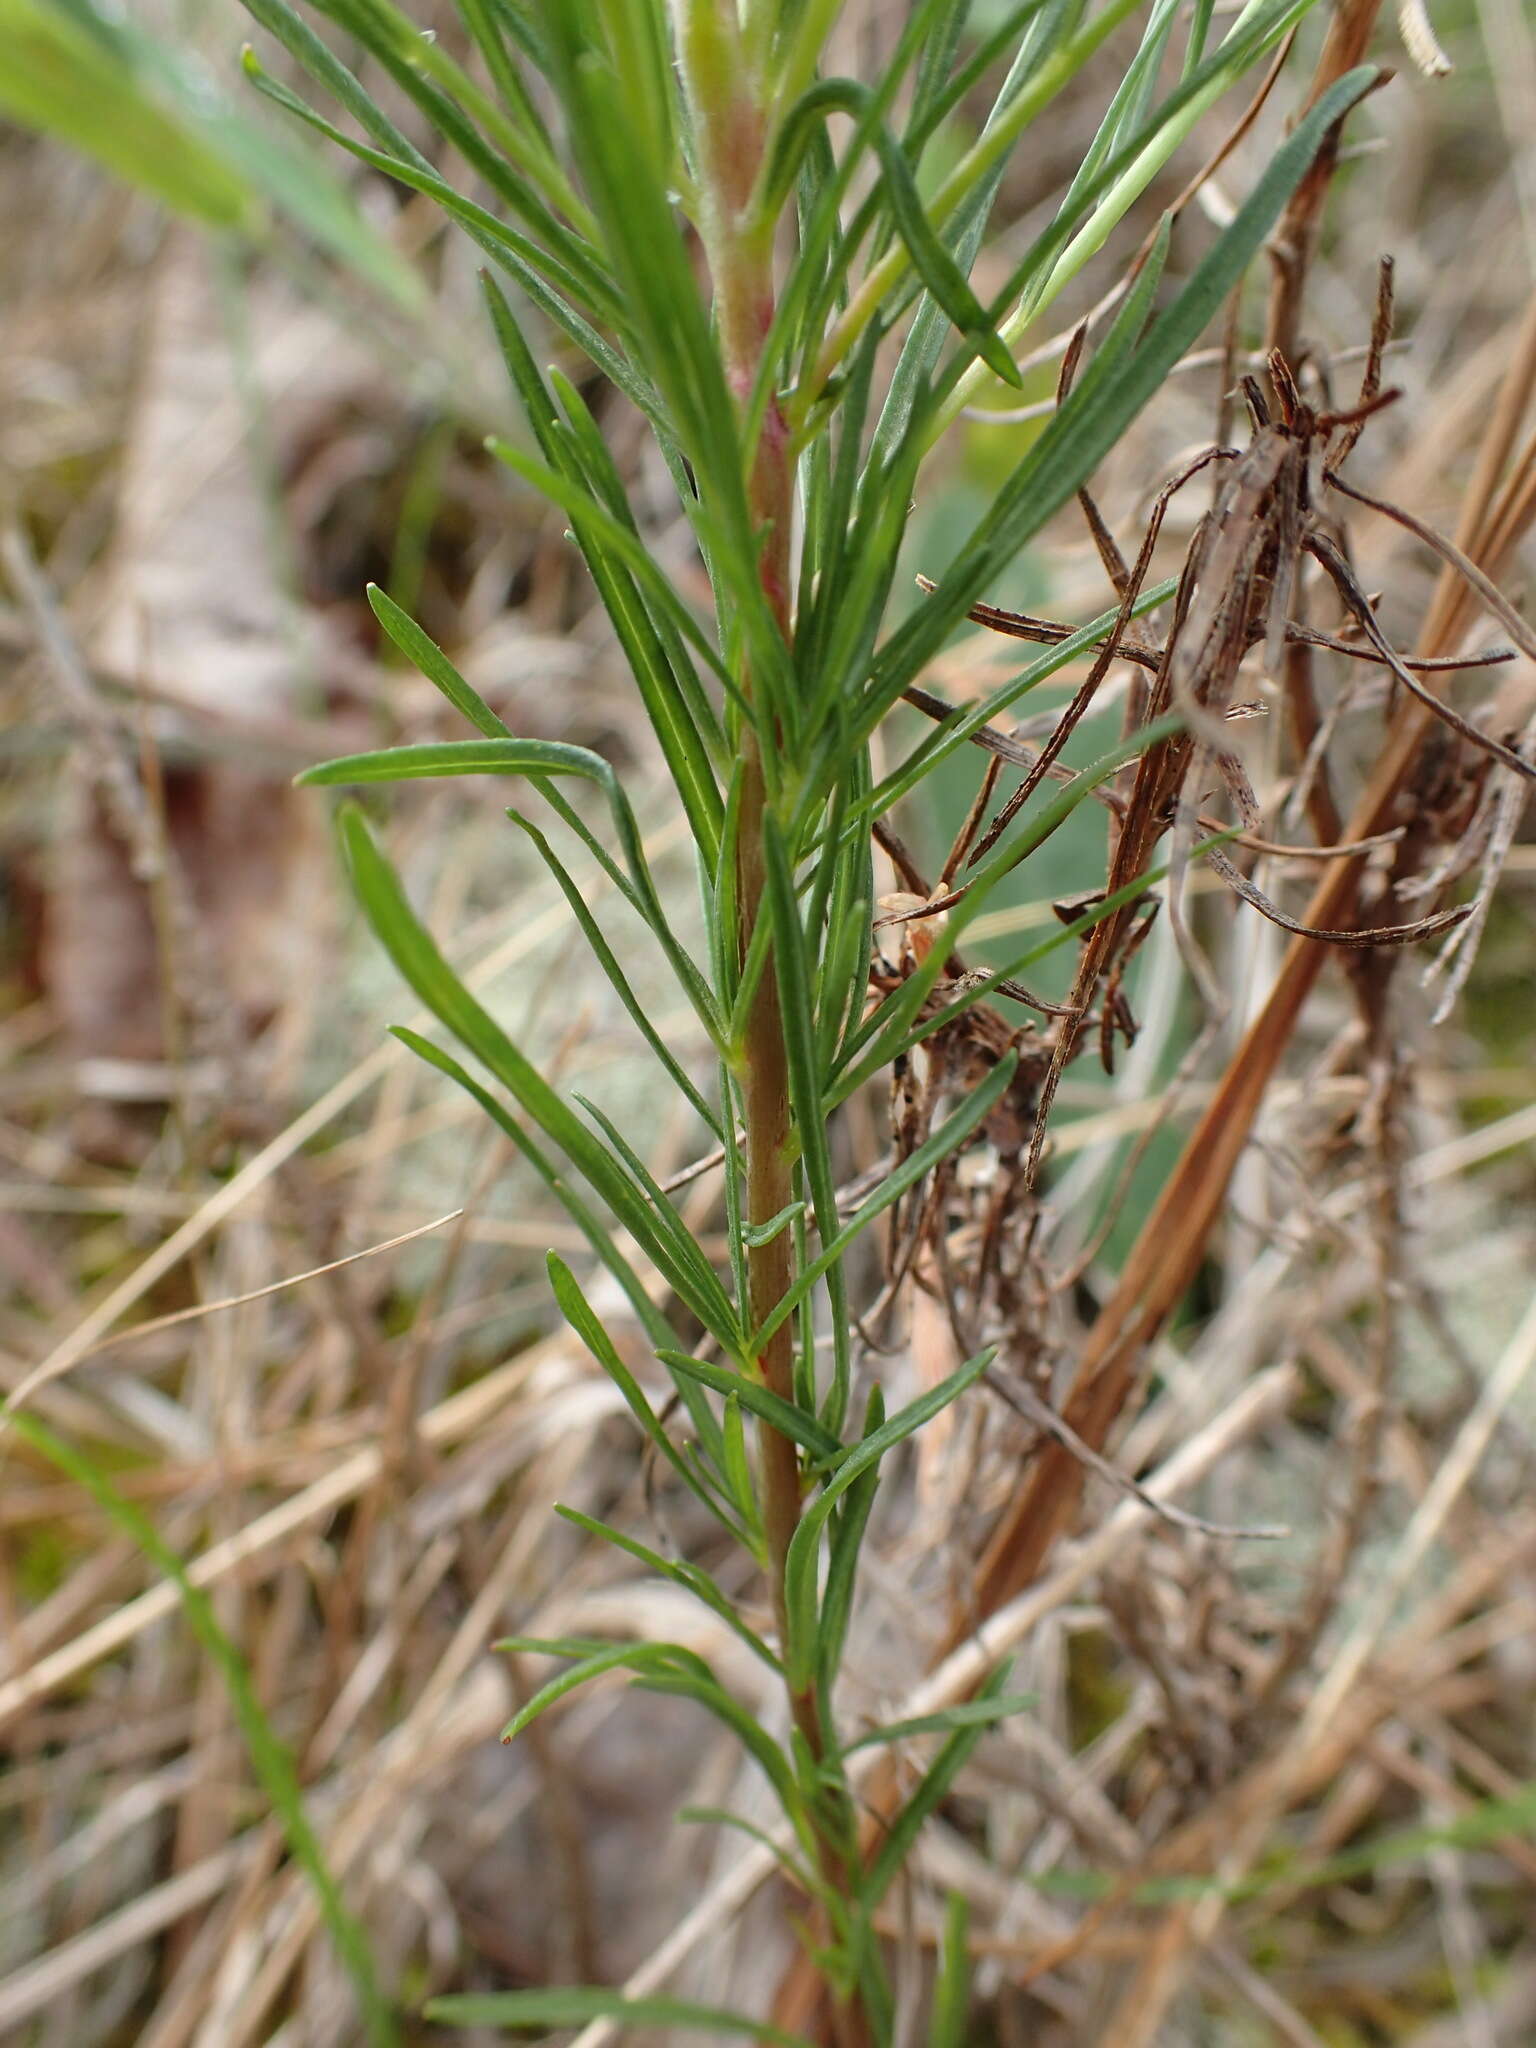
(240, 377)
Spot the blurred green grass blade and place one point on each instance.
(530, 2011)
(145, 109)
(270, 1758)
(952, 1987)
(1133, 154)
(59, 79)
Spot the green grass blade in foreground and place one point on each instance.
(61, 80)
(1101, 407)
(269, 1757)
(537, 2011)
(801, 1562)
(416, 956)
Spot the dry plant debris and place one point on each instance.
(1324, 1736)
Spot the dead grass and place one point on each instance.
(209, 1158)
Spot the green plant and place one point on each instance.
(793, 402)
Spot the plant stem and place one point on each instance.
(730, 107)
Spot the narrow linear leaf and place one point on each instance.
(952, 1132)
(865, 1456)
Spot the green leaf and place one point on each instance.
(978, 1713)
(579, 1313)
(768, 1407)
(650, 1317)
(618, 981)
(270, 1757)
(685, 1246)
(62, 80)
(848, 1526)
(680, 1573)
(896, 1846)
(420, 648)
(794, 969)
(416, 956)
(532, 758)
(1105, 400)
(954, 1130)
(880, 1036)
(804, 1546)
(527, 2011)
(720, 1817)
(951, 1993)
(933, 263)
(639, 1659)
